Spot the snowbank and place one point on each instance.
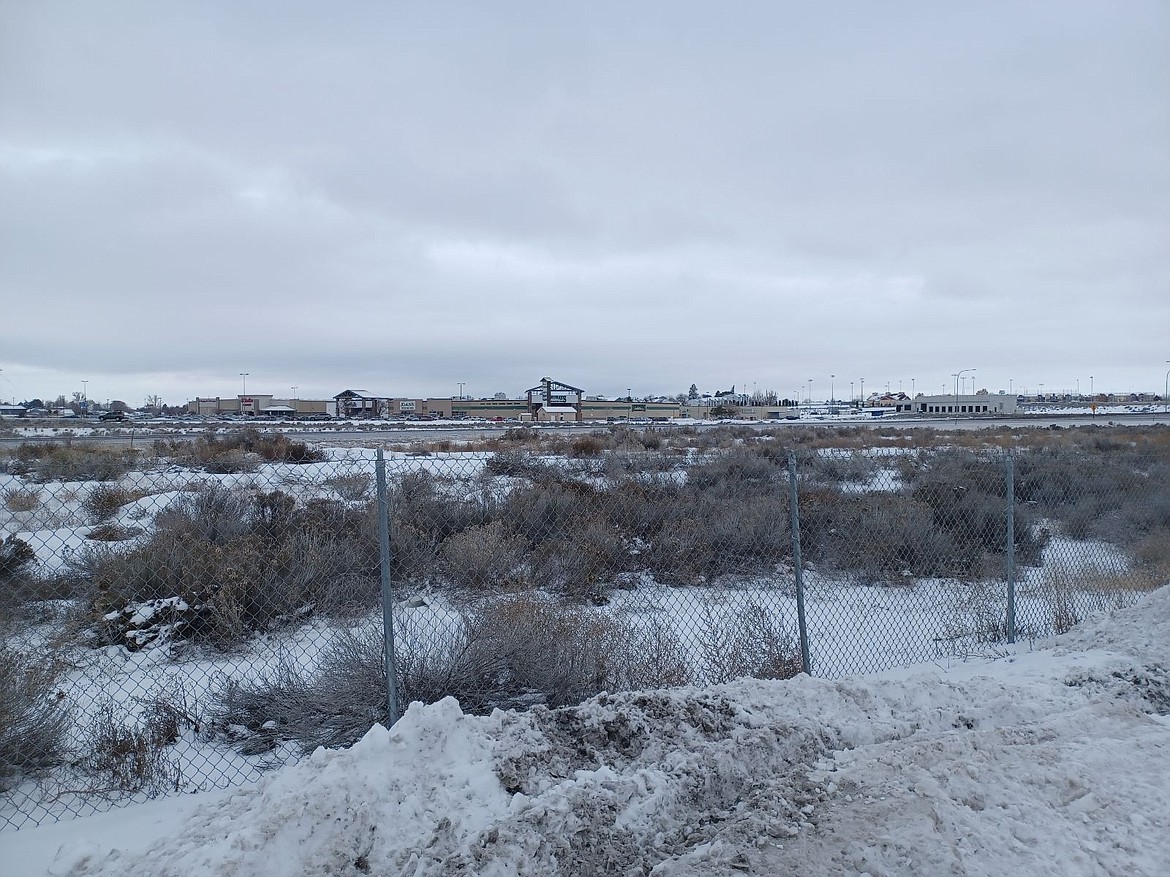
(1050, 762)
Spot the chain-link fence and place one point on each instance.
(190, 615)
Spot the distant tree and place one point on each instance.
(119, 405)
(154, 403)
(693, 392)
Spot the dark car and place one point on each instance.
(115, 415)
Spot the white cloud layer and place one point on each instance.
(403, 196)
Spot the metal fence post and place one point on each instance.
(1010, 547)
(392, 712)
(797, 564)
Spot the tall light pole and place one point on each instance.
(1091, 391)
(832, 388)
(461, 385)
(852, 398)
(84, 397)
(810, 391)
(957, 376)
(294, 405)
(863, 392)
(1166, 390)
(629, 404)
(244, 379)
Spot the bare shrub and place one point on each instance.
(1152, 551)
(650, 656)
(547, 510)
(238, 451)
(210, 513)
(105, 500)
(682, 552)
(883, 535)
(515, 463)
(520, 435)
(22, 499)
(351, 486)
(977, 619)
(234, 565)
(14, 554)
(128, 756)
(232, 461)
(33, 718)
(582, 565)
(53, 461)
(1072, 593)
(514, 652)
(590, 445)
(651, 439)
(424, 502)
(748, 642)
(110, 532)
(482, 557)
(333, 706)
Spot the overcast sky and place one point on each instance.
(401, 196)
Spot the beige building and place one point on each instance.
(257, 405)
(979, 403)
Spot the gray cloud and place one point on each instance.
(404, 197)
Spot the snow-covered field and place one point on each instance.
(1046, 761)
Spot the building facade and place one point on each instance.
(951, 405)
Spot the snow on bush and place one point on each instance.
(1050, 763)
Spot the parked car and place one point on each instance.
(115, 415)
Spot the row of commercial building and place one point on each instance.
(557, 402)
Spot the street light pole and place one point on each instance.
(244, 379)
(832, 388)
(810, 391)
(461, 385)
(294, 405)
(959, 374)
(863, 392)
(84, 397)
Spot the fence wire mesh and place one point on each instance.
(190, 615)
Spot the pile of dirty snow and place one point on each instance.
(1055, 761)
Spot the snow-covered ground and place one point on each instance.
(1051, 761)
